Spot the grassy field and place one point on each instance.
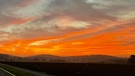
(78, 69)
(16, 72)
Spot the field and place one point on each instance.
(78, 69)
(14, 71)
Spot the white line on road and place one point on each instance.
(7, 72)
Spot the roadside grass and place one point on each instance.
(15, 71)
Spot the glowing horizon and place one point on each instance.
(67, 27)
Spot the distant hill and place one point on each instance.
(43, 58)
(96, 59)
(5, 57)
(69, 59)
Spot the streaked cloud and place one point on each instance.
(37, 8)
(67, 27)
(43, 42)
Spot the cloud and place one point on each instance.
(79, 10)
(111, 3)
(4, 37)
(69, 22)
(66, 21)
(37, 8)
(120, 9)
(92, 11)
(47, 28)
(124, 15)
(43, 42)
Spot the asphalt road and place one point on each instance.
(3, 73)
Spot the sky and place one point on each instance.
(67, 27)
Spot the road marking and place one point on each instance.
(7, 72)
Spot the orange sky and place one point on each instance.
(67, 28)
(116, 43)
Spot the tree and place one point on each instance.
(131, 60)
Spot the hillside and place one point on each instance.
(69, 59)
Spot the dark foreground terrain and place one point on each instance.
(78, 69)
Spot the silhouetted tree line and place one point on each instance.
(131, 60)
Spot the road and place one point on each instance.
(4, 73)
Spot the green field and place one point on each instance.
(15, 71)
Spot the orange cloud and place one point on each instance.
(73, 28)
(117, 43)
(89, 41)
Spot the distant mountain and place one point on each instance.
(69, 59)
(96, 59)
(43, 58)
(5, 57)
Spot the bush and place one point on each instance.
(131, 60)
